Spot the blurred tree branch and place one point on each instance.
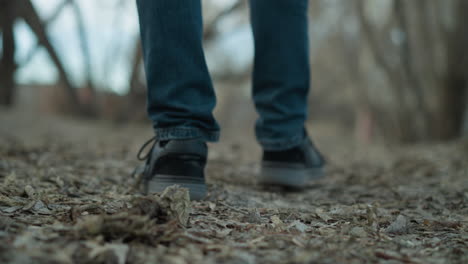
(210, 29)
(30, 16)
(429, 104)
(24, 9)
(46, 23)
(7, 61)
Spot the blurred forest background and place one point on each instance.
(395, 70)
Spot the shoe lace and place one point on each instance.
(142, 155)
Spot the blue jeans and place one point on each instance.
(180, 91)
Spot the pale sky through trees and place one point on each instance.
(111, 28)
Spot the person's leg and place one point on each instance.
(280, 89)
(281, 71)
(180, 93)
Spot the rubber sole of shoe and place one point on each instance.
(196, 186)
(288, 176)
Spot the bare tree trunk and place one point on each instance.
(137, 60)
(7, 61)
(137, 93)
(31, 17)
(425, 69)
(411, 76)
(398, 118)
(453, 96)
(91, 102)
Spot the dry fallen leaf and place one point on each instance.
(298, 226)
(90, 213)
(358, 232)
(322, 215)
(177, 202)
(276, 220)
(119, 250)
(30, 192)
(254, 217)
(399, 226)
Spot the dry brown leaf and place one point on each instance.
(177, 201)
(119, 250)
(322, 215)
(358, 232)
(298, 226)
(399, 226)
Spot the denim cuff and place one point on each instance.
(180, 133)
(282, 144)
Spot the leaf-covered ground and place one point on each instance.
(67, 196)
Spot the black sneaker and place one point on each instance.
(180, 162)
(292, 168)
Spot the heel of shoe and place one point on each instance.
(288, 177)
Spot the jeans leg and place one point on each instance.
(281, 71)
(180, 92)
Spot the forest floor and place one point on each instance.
(67, 196)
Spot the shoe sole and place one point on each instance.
(288, 176)
(196, 186)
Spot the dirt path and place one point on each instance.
(66, 196)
